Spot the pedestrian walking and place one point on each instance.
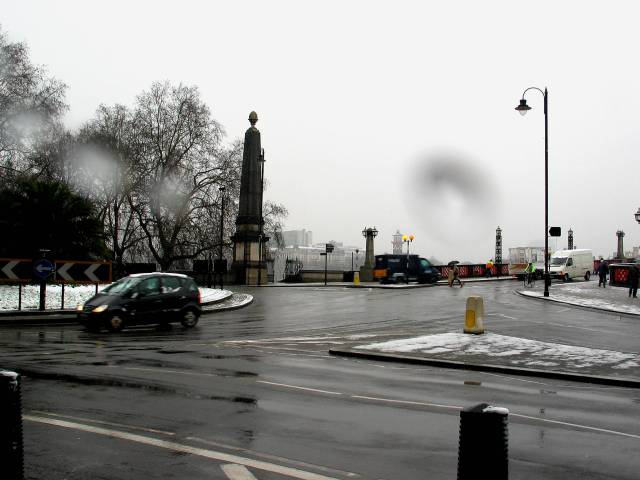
(450, 277)
(603, 270)
(456, 276)
(634, 276)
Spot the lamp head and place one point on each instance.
(523, 108)
(637, 215)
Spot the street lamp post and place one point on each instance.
(407, 239)
(222, 189)
(523, 108)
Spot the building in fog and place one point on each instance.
(526, 255)
(297, 238)
(397, 243)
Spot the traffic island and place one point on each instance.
(504, 354)
(589, 295)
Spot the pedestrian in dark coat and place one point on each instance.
(634, 276)
(603, 270)
(456, 276)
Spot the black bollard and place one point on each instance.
(11, 426)
(484, 450)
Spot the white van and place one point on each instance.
(570, 264)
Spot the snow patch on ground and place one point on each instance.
(73, 295)
(518, 350)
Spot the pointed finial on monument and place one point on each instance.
(253, 118)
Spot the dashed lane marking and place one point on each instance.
(575, 425)
(234, 471)
(177, 447)
(406, 402)
(178, 372)
(295, 387)
(457, 408)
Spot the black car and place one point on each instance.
(141, 299)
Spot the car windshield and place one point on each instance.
(558, 260)
(121, 285)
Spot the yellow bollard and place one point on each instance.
(356, 278)
(474, 316)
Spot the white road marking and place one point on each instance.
(299, 388)
(179, 372)
(177, 447)
(101, 422)
(500, 315)
(237, 472)
(406, 402)
(576, 425)
(328, 470)
(455, 407)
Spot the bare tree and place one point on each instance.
(274, 215)
(106, 159)
(31, 104)
(182, 164)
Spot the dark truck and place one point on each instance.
(404, 269)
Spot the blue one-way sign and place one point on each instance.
(42, 268)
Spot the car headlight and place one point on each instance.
(79, 307)
(99, 309)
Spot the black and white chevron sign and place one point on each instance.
(15, 270)
(70, 271)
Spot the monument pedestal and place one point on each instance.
(249, 267)
(366, 274)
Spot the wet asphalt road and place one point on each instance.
(256, 387)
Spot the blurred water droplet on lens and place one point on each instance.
(452, 199)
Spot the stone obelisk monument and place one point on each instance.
(249, 263)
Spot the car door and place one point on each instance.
(571, 268)
(149, 301)
(173, 298)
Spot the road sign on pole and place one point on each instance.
(42, 269)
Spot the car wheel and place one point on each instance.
(115, 322)
(566, 277)
(189, 318)
(587, 276)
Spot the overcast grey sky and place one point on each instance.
(365, 105)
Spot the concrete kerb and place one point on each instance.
(578, 305)
(516, 371)
(383, 286)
